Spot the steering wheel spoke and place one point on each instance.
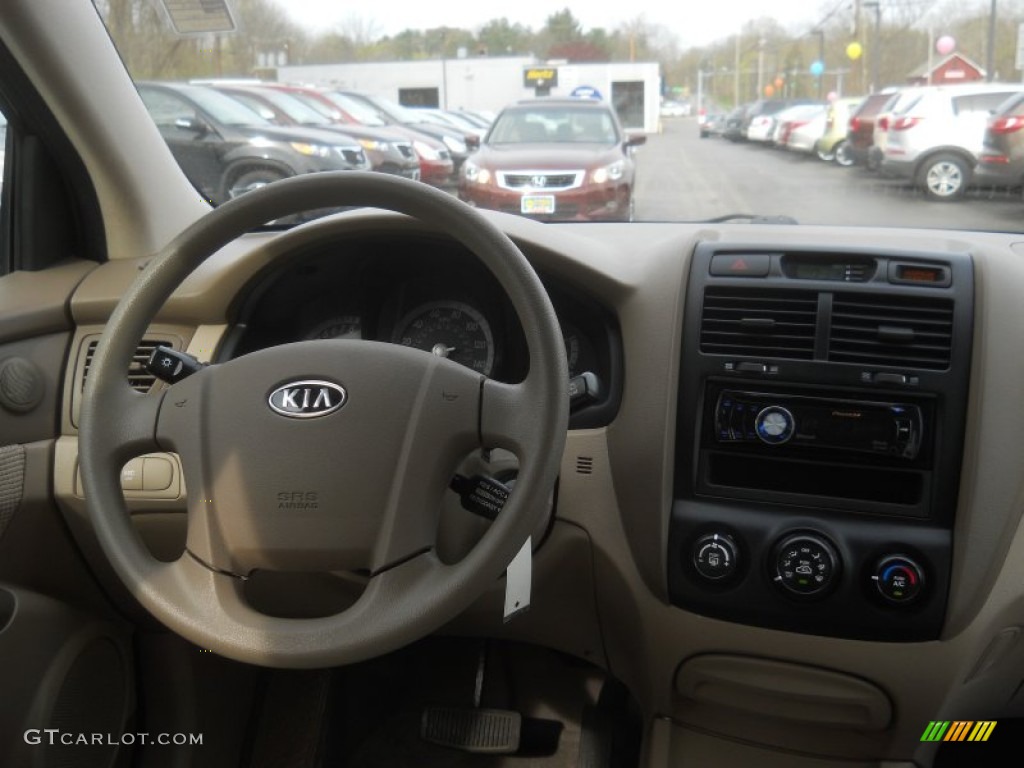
(507, 412)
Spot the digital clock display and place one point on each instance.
(815, 270)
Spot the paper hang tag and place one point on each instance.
(518, 581)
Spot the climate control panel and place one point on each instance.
(832, 576)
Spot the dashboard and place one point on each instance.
(709, 476)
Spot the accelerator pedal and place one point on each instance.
(480, 731)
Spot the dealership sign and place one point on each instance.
(586, 92)
(540, 77)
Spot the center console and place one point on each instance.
(820, 428)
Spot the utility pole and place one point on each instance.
(990, 57)
(876, 42)
(700, 86)
(760, 67)
(736, 75)
(821, 59)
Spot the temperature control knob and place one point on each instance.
(899, 579)
(774, 425)
(806, 564)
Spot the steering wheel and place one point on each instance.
(321, 455)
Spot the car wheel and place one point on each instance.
(827, 157)
(244, 453)
(843, 154)
(252, 179)
(944, 177)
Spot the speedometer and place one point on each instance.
(449, 329)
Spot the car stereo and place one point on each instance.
(773, 419)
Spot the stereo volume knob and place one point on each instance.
(774, 425)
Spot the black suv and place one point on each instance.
(227, 149)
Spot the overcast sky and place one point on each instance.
(693, 22)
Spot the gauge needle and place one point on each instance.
(441, 350)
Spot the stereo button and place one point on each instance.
(774, 425)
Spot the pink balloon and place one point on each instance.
(945, 45)
(832, 96)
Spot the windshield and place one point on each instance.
(836, 113)
(357, 110)
(294, 108)
(223, 109)
(565, 125)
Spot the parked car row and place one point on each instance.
(943, 138)
(234, 136)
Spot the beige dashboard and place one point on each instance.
(601, 574)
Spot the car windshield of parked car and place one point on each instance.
(295, 109)
(903, 124)
(223, 109)
(564, 125)
(357, 110)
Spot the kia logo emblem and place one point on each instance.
(307, 399)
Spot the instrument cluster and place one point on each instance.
(433, 297)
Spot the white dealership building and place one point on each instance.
(489, 83)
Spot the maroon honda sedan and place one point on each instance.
(554, 159)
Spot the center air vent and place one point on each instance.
(758, 322)
(903, 331)
(138, 377)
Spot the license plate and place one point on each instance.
(537, 204)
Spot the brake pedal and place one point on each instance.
(480, 731)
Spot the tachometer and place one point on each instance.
(449, 329)
(342, 327)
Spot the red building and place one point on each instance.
(948, 70)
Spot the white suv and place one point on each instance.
(935, 137)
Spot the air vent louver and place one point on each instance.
(138, 378)
(759, 322)
(903, 331)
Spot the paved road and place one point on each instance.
(683, 177)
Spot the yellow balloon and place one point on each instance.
(854, 50)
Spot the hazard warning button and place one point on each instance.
(740, 264)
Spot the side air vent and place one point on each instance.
(761, 322)
(904, 331)
(139, 379)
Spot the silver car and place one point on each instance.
(935, 134)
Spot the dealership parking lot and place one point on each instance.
(713, 177)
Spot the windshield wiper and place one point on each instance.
(752, 218)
